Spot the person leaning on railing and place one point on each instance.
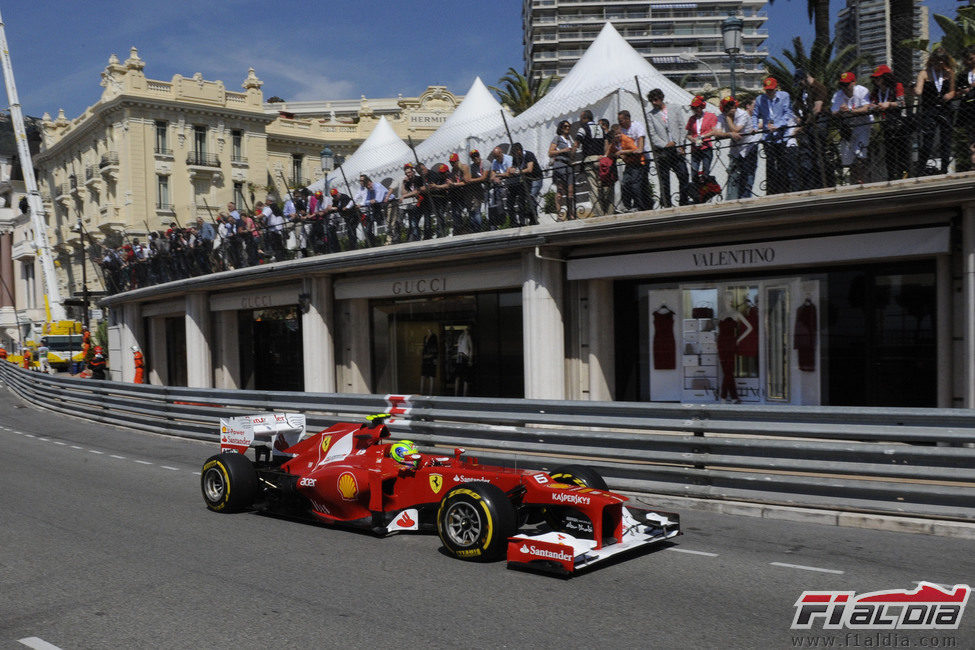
(736, 125)
(812, 113)
(887, 104)
(851, 104)
(774, 118)
(560, 152)
(936, 88)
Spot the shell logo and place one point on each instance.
(347, 485)
(326, 442)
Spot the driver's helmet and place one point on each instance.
(401, 451)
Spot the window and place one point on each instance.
(239, 193)
(200, 141)
(296, 159)
(237, 145)
(162, 143)
(162, 193)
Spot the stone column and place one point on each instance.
(130, 334)
(967, 306)
(602, 348)
(317, 336)
(226, 370)
(156, 341)
(7, 270)
(199, 368)
(543, 327)
(356, 353)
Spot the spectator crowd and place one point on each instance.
(827, 132)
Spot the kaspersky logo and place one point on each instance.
(546, 554)
(929, 607)
(575, 499)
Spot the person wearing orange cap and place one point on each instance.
(412, 201)
(344, 208)
(437, 184)
(773, 117)
(936, 88)
(457, 178)
(699, 129)
(851, 104)
(887, 104)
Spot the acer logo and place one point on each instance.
(307, 482)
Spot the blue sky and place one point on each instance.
(338, 49)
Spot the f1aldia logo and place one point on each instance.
(929, 607)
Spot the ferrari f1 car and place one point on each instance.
(562, 521)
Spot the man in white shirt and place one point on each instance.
(370, 197)
(851, 103)
(635, 181)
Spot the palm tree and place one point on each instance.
(519, 92)
(958, 33)
(821, 63)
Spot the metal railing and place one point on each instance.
(918, 462)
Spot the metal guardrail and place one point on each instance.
(918, 462)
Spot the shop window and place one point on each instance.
(449, 345)
(271, 350)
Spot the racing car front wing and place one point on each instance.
(563, 553)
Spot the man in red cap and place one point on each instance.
(699, 129)
(887, 103)
(774, 118)
(342, 207)
(851, 104)
(413, 201)
(457, 179)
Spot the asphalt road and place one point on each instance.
(105, 543)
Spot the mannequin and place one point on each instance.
(733, 328)
(464, 362)
(428, 365)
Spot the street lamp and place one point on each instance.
(328, 159)
(80, 229)
(731, 29)
(690, 56)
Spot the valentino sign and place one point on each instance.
(734, 256)
(419, 287)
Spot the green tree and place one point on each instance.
(519, 92)
(959, 33)
(820, 62)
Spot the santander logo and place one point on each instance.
(405, 520)
(534, 551)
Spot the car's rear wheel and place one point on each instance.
(579, 475)
(474, 521)
(229, 483)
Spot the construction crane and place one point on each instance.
(35, 206)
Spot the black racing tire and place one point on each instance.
(578, 475)
(474, 522)
(228, 482)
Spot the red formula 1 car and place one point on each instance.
(563, 521)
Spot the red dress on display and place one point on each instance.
(804, 337)
(664, 345)
(727, 348)
(748, 346)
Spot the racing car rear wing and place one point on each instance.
(271, 431)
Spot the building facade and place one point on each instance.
(865, 24)
(151, 153)
(682, 40)
(856, 296)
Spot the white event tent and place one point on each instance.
(479, 113)
(602, 80)
(377, 156)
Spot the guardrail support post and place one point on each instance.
(967, 392)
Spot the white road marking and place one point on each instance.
(76, 447)
(95, 451)
(806, 568)
(117, 456)
(29, 435)
(143, 462)
(175, 469)
(687, 550)
(38, 644)
(58, 442)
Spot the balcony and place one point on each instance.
(163, 152)
(109, 165)
(201, 159)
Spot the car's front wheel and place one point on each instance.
(579, 475)
(474, 521)
(229, 482)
